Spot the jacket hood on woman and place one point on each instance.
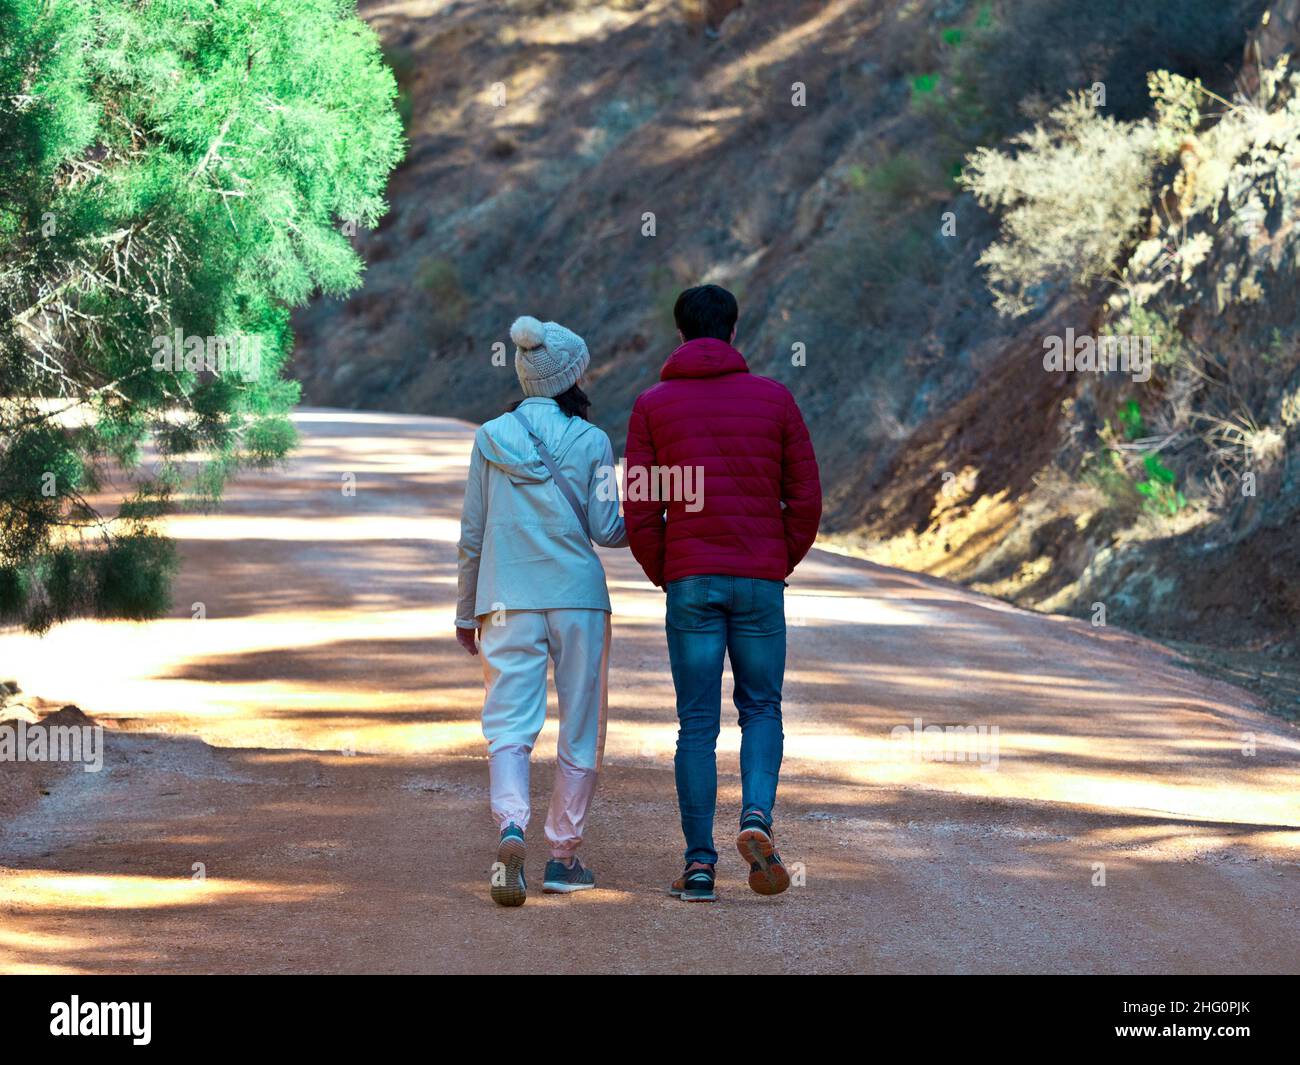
(521, 547)
(504, 444)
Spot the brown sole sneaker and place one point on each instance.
(767, 876)
(508, 887)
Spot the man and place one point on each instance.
(722, 555)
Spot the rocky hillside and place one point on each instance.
(1168, 504)
(583, 161)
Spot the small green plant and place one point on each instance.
(1111, 472)
(1159, 488)
(923, 86)
(1130, 420)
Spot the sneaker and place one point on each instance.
(562, 879)
(508, 887)
(695, 884)
(767, 876)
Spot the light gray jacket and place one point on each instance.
(521, 547)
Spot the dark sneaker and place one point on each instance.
(767, 875)
(695, 884)
(562, 879)
(508, 887)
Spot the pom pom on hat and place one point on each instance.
(528, 332)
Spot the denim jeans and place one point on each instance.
(744, 618)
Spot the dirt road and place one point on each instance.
(1127, 815)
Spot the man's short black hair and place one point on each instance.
(706, 311)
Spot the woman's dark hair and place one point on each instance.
(573, 401)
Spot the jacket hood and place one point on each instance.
(703, 357)
(505, 443)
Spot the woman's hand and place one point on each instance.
(465, 637)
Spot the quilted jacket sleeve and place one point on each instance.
(645, 518)
(801, 489)
(602, 498)
(470, 546)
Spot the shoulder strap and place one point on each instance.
(561, 482)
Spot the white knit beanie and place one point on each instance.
(549, 359)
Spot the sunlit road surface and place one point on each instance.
(967, 786)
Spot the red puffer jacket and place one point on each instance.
(747, 440)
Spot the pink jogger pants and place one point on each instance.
(516, 646)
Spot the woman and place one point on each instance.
(541, 489)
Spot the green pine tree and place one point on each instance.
(169, 170)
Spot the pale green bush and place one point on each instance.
(1071, 194)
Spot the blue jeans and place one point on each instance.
(744, 618)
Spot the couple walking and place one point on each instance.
(531, 587)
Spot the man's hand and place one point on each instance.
(465, 637)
